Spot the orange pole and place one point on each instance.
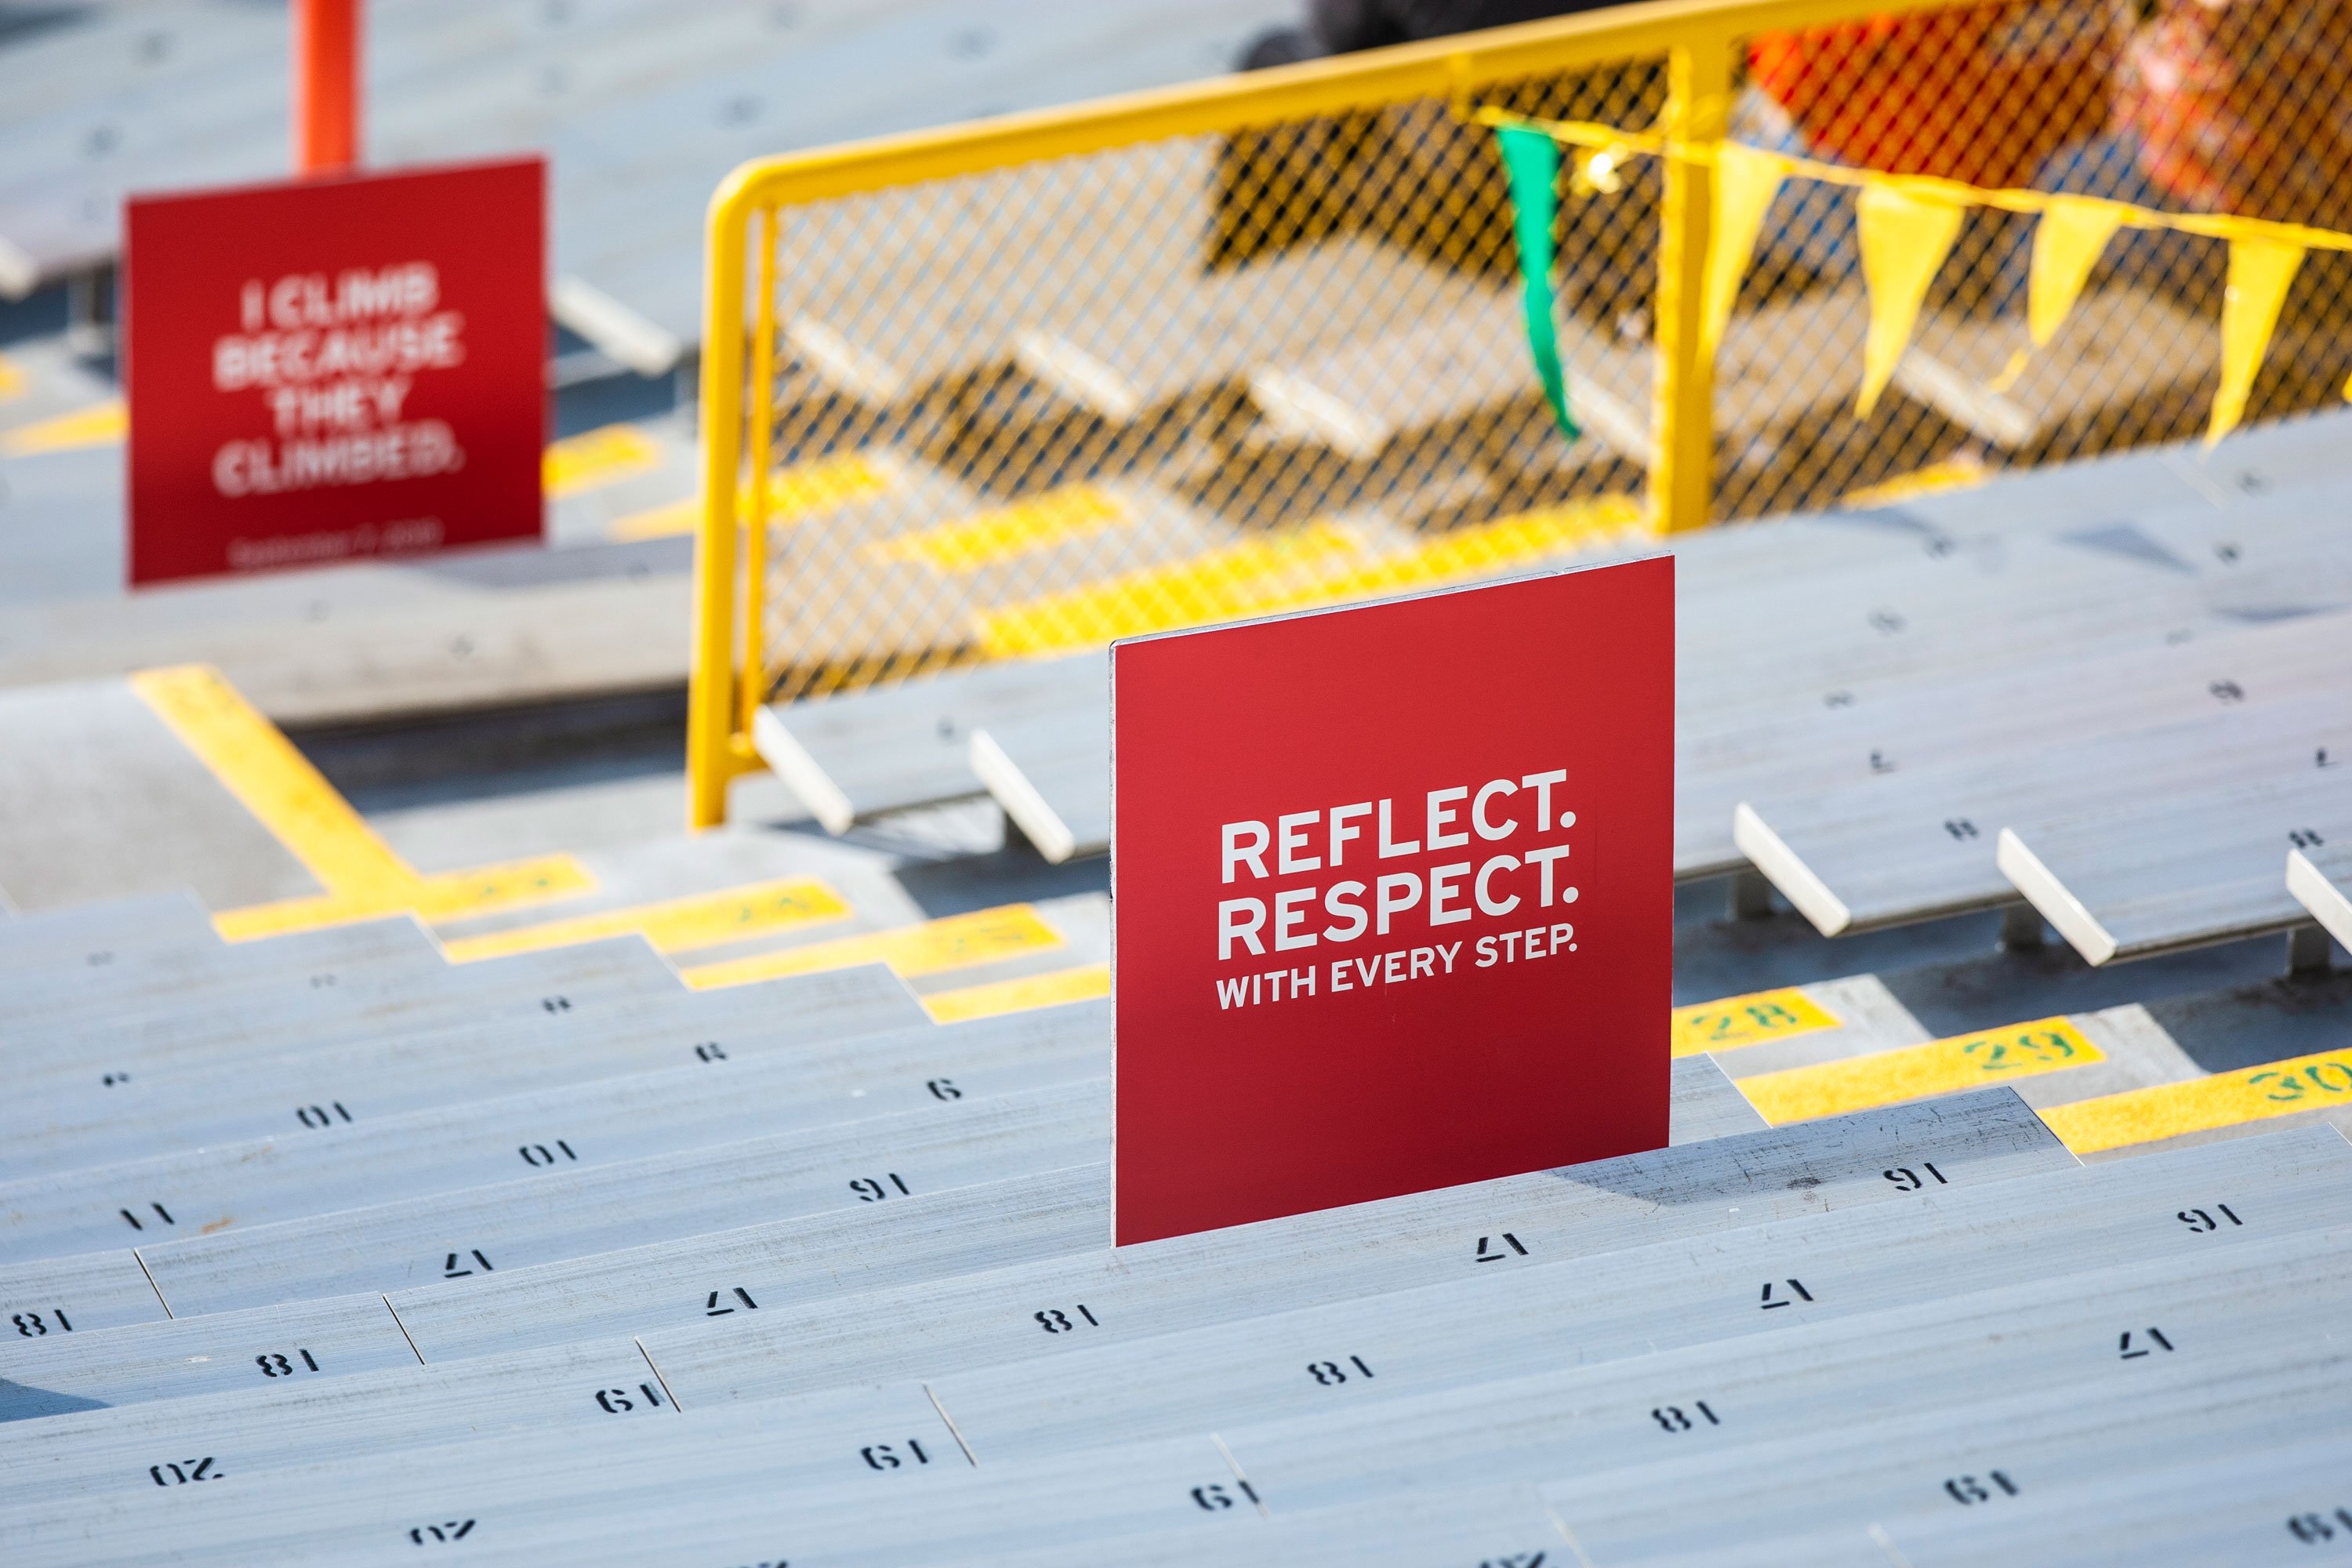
(326, 85)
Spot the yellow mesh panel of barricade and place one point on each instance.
(1189, 378)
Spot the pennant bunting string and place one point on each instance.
(1907, 227)
(1746, 181)
(1905, 235)
(2259, 271)
(2067, 243)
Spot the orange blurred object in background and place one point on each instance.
(1980, 93)
(326, 39)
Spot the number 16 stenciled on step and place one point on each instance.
(1392, 896)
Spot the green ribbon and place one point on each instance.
(1531, 161)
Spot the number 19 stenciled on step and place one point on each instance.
(1392, 896)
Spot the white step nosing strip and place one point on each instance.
(1795, 880)
(2326, 901)
(791, 762)
(2046, 893)
(1021, 800)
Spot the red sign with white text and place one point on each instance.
(321, 370)
(1393, 897)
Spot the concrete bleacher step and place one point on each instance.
(165, 927)
(354, 960)
(889, 748)
(548, 1302)
(712, 1492)
(2194, 867)
(381, 1004)
(1346, 1253)
(1872, 625)
(345, 1337)
(105, 800)
(1914, 845)
(1989, 1139)
(1794, 751)
(2049, 1334)
(1896, 604)
(1174, 1372)
(2267, 1505)
(87, 1121)
(480, 1142)
(389, 1246)
(1053, 1215)
(1639, 1418)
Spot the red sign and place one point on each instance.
(1393, 897)
(326, 369)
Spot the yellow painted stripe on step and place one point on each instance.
(2224, 1099)
(968, 544)
(804, 490)
(1482, 551)
(362, 878)
(1940, 1066)
(1956, 474)
(1218, 585)
(12, 380)
(674, 925)
(1738, 1021)
(443, 896)
(1081, 985)
(269, 778)
(955, 943)
(594, 458)
(100, 425)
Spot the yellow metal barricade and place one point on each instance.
(1017, 387)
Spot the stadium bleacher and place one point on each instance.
(357, 1237)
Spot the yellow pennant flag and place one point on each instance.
(1907, 232)
(1745, 183)
(2067, 243)
(2259, 271)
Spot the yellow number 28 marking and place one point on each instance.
(1744, 1020)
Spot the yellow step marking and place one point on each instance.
(1081, 985)
(362, 877)
(1744, 1020)
(1323, 564)
(1481, 550)
(1955, 474)
(955, 943)
(99, 425)
(1218, 585)
(674, 925)
(444, 896)
(596, 457)
(805, 491)
(1939, 1067)
(2224, 1099)
(12, 380)
(985, 538)
(269, 778)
